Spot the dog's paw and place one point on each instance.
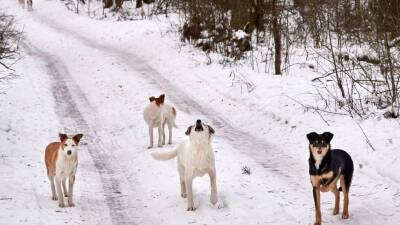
(61, 205)
(345, 216)
(54, 198)
(71, 204)
(66, 195)
(218, 205)
(317, 223)
(183, 195)
(149, 147)
(191, 208)
(169, 142)
(335, 211)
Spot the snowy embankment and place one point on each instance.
(95, 77)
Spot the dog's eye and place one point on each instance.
(314, 145)
(65, 145)
(324, 145)
(73, 145)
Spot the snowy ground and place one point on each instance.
(83, 75)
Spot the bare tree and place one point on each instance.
(9, 41)
(276, 31)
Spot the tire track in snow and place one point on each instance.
(68, 107)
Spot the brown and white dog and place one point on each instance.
(61, 162)
(158, 114)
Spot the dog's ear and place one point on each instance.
(152, 98)
(211, 130)
(312, 137)
(77, 138)
(189, 129)
(328, 136)
(162, 98)
(63, 137)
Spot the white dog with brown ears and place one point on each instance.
(22, 3)
(29, 3)
(195, 159)
(61, 160)
(158, 114)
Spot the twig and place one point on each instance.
(366, 138)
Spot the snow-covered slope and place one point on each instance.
(95, 77)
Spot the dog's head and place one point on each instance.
(320, 144)
(69, 144)
(200, 131)
(159, 101)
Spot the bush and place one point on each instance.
(9, 41)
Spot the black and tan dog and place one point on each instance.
(327, 167)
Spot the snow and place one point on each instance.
(83, 75)
(239, 34)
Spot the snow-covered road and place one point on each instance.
(88, 76)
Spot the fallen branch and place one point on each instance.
(366, 137)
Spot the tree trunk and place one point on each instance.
(276, 32)
(139, 3)
(109, 4)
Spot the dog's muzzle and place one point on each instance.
(199, 126)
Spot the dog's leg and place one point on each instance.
(163, 133)
(59, 191)
(151, 136)
(188, 182)
(64, 186)
(345, 191)
(169, 132)
(213, 181)
(53, 188)
(317, 202)
(336, 192)
(183, 188)
(182, 180)
(160, 135)
(71, 181)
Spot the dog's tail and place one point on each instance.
(173, 120)
(164, 155)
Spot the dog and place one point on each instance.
(61, 160)
(22, 3)
(326, 168)
(195, 159)
(29, 3)
(158, 114)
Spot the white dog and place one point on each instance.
(22, 3)
(29, 3)
(158, 114)
(61, 160)
(195, 158)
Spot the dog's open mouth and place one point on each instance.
(199, 126)
(198, 129)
